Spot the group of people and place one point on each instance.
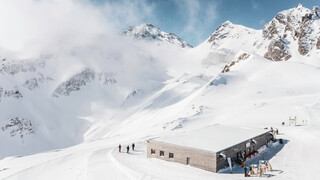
(128, 147)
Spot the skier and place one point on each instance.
(128, 149)
(119, 147)
(133, 145)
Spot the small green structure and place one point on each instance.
(293, 121)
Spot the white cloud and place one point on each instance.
(79, 34)
(40, 22)
(124, 13)
(254, 5)
(198, 15)
(43, 24)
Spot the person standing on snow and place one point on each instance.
(245, 171)
(133, 145)
(128, 149)
(119, 147)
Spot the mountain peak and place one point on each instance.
(147, 31)
(299, 5)
(227, 23)
(299, 23)
(147, 24)
(227, 29)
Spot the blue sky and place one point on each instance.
(195, 20)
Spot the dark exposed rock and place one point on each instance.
(270, 30)
(304, 45)
(16, 66)
(10, 93)
(306, 41)
(277, 51)
(135, 93)
(288, 28)
(82, 79)
(13, 93)
(75, 83)
(34, 83)
(298, 24)
(281, 18)
(318, 43)
(18, 126)
(242, 56)
(31, 84)
(306, 18)
(219, 33)
(316, 12)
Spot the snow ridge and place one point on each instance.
(148, 31)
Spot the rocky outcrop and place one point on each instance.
(277, 51)
(34, 83)
(135, 93)
(242, 56)
(31, 84)
(75, 83)
(296, 23)
(282, 18)
(13, 67)
(82, 79)
(304, 46)
(318, 43)
(15, 93)
(306, 41)
(220, 33)
(228, 32)
(18, 126)
(12, 93)
(270, 30)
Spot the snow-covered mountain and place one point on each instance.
(298, 25)
(94, 96)
(149, 32)
(290, 33)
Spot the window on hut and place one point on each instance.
(153, 151)
(161, 153)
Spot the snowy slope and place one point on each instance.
(79, 104)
